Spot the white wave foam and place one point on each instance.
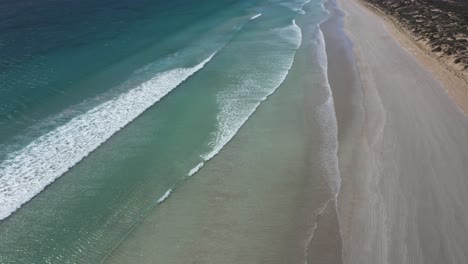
(195, 169)
(292, 34)
(293, 8)
(256, 16)
(304, 2)
(165, 196)
(238, 103)
(296, 6)
(28, 171)
(327, 118)
(297, 34)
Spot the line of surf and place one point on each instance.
(326, 116)
(255, 16)
(233, 113)
(165, 196)
(327, 119)
(297, 7)
(26, 172)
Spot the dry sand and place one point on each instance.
(403, 157)
(452, 79)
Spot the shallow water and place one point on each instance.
(71, 91)
(257, 201)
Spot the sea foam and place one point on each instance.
(296, 6)
(238, 103)
(196, 169)
(327, 119)
(28, 171)
(165, 196)
(256, 16)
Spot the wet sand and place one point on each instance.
(403, 155)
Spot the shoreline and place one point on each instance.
(454, 81)
(345, 84)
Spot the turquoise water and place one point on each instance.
(106, 109)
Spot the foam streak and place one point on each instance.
(256, 16)
(165, 196)
(28, 171)
(236, 104)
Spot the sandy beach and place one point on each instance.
(438, 41)
(403, 156)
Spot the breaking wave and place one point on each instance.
(28, 171)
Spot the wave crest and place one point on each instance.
(28, 171)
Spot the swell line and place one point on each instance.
(26, 172)
(233, 114)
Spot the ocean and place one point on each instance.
(108, 107)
